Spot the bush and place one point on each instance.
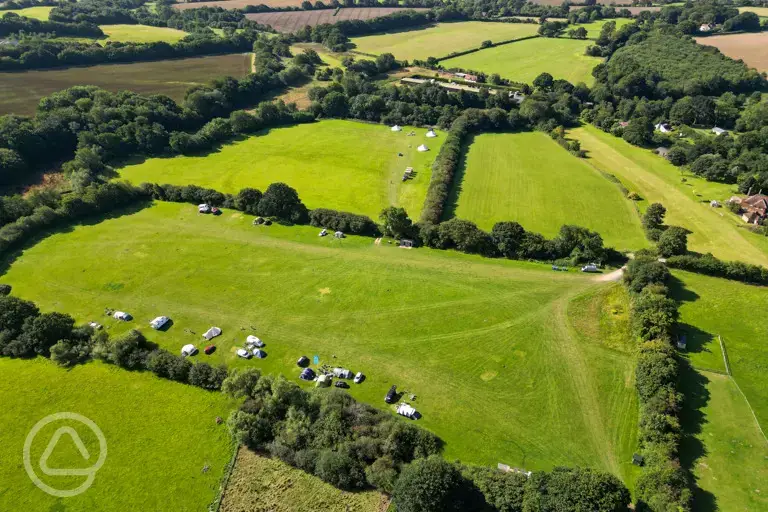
(432, 484)
(5, 289)
(673, 241)
(283, 202)
(642, 272)
(711, 266)
(340, 470)
(129, 351)
(343, 221)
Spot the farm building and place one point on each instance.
(663, 127)
(517, 97)
(755, 208)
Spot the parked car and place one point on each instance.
(188, 350)
(95, 326)
(241, 352)
(204, 208)
(341, 384)
(210, 349)
(359, 378)
(159, 322)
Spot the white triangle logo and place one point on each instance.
(52, 445)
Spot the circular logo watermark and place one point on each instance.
(89, 473)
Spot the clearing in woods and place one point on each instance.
(442, 39)
(343, 165)
(749, 47)
(594, 27)
(160, 436)
(264, 484)
(454, 329)
(686, 197)
(529, 178)
(20, 92)
(141, 34)
(523, 61)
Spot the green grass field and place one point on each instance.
(727, 452)
(21, 92)
(495, 350)
(39, 13)
(141, 33)
(525, 60)
(529, 178)
(159, 437)
(715, 230)
(261, 484)
(594, 27)
(342, 165)
(441, 39)
(760, 11)
(713, 306)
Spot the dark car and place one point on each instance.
(391, 396)
(341, 384)
(210, 349)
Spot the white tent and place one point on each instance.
(406, 410)
(241, 352)
(188, 350)
(431, 134)
(396, 128)
(203, 208)
(159, 322)
(338, 234)
(422, 148)
(121, 315)
(254, 341)
(211, 333)
(259, 353)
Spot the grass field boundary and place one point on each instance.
(216, 506)
(493, 45)
(730, 376)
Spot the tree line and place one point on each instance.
(663, 483)
(353, 446)
(11, 23)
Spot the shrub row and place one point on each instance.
(25, 332)
(443, 170)
(711, 266)
(663, 484)
(343, 221)
(12, 23)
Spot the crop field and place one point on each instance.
(238, 4)
(159, 437)
(749, 47)
(20, 92)
(687, 202)
(262, 484)
(529, 178)
(525, 60)
(454, 329)
(712, 307)
(342, 165)
(442, 39)
(39, 13)
(291, 21)
(141, 33)
(760, 11)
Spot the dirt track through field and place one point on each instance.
(291, 21)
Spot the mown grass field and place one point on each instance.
(594, 28)
(21, 92)
(725, 450)
(715, 230)
(39, 13)
(713, 306)
(159, 437)
(342, 165)
(262, 484)
(141, 33)
(442, 39)
(495, 351)
(523, 61)
(529, 178)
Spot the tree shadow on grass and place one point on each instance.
(679, 292)
(7, 259)
(693, 385)
(452, 203)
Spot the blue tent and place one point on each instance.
(307, 374)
